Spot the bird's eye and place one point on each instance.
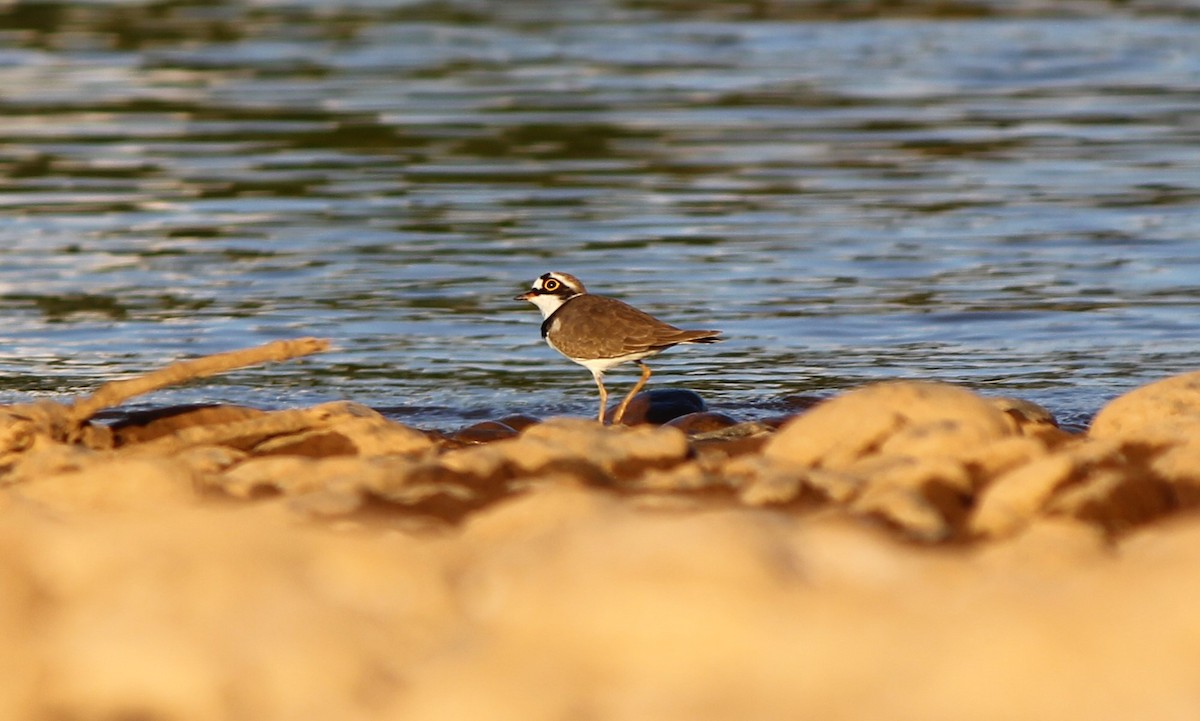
(551, 285)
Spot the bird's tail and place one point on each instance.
(700, 336)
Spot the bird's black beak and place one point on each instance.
(524, 296)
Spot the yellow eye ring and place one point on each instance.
(551, 285)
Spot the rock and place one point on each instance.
(912, 446)
(801, 402)
(659, 406)
(777, 422)
(991, 460)
(147, 425)
(1023, 412)
(1032, 420)
(520, 421)
(321, 443)
(1179, 465)
(925, 497)
(903, 417)
(1156, 413)
(1115, 499)
(760, 481)
(347, 429)
(710, 448)
(286, 474)
(702, 422)
(484, 432)
(107, 484)
(617, 452)
(1091, 480)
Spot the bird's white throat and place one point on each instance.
(547, 304)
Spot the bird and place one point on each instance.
(599, 332)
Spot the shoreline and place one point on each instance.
(905, 549)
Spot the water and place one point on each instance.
(1001, 194)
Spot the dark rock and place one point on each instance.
(802, 402)
(659, 406)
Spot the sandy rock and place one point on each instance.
(925, 497)
(349, 429)
(195, 615)
(24, 428)
(108, 483)
(576, 570)
(991, 460)
(318, 443)
(915, 448)
(341, 485)
(1142, 414)
(210, 460)
(617, 452)
(1014, 498)
(286, 474)
(1091, 480)
(490, 461)
(762, 481)
(445, 503)
(1178, 465)
(682, 478)
(914, 416)
(1114, 499)
(1030, 418)
(142, 426)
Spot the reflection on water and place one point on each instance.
(1003, 196)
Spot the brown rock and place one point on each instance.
(802, 402)
(707, 448)
(519, 421)
(702, 422)
(484, 432)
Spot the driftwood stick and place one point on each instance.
(114, 393)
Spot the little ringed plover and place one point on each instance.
(599, 332)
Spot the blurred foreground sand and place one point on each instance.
(903, 551)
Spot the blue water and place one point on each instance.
(1003, 197)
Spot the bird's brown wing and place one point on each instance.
(610, 328)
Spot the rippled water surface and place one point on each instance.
(1001, 194)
